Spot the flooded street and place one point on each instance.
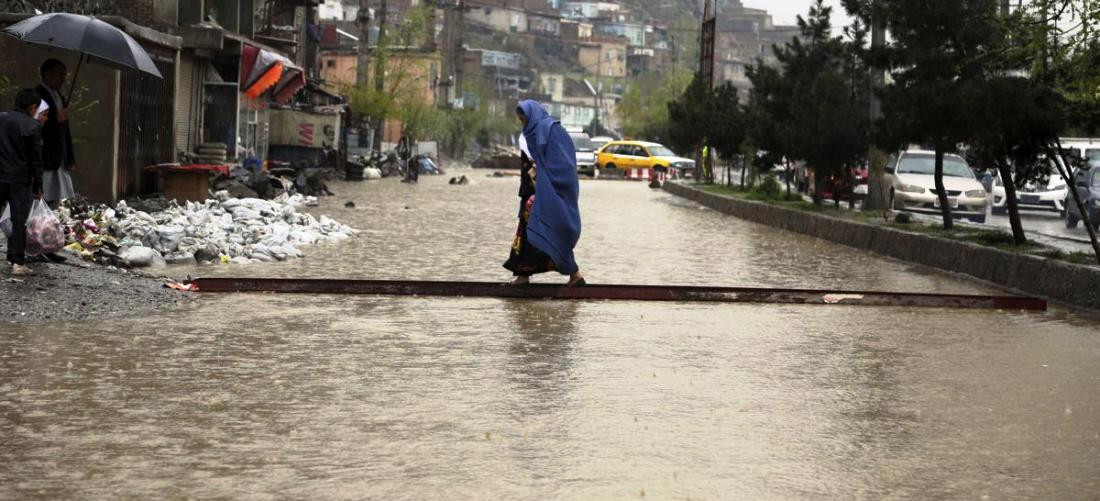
(351, 397)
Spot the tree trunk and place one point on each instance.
(380, 72)
(744, 167)
(1068, 178)
(1009, 182)
(819, 183)
(941, 192)
(788, 162)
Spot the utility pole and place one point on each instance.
(380, 72)
(453, 11)
(310, 43)
(599, 87)
(362, 20)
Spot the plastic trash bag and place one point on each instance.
(5, 221)
(44, 232)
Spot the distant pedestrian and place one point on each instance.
(20, 172)
(549, 218)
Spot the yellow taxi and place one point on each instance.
(627, 155)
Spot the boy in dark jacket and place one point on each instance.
(20, 171)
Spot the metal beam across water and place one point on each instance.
(616, 292)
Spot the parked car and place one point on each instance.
(835, 188)
(641, 155)
(1035, 196)
(1087, 183)
(586, 152)
(910, 175)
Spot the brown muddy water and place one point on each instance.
(335, 397)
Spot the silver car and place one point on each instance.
(913, 187)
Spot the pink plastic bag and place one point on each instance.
(44, 232)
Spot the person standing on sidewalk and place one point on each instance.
(20, 171)
(58, 156)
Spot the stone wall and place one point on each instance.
(1055, 280)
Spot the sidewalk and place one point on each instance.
(77, 291)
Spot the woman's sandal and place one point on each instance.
(579, 283)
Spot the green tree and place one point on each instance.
(1019, 118)
(689, 119)
(826, 102)
(643, 111)
(395, 91)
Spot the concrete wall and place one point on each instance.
(1056, 280)
(94, 119)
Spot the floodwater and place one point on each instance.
(346, 397)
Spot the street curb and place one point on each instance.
(1054, 280)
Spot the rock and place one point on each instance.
(349, 205)
(141, 257)
(208, 254)
(187, 258)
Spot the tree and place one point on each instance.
(689, 119)
(1019, 118)
(727, 131)
(826, 103)
(643, 111)
(768, 114)
(398, 86)
(938, 48)
(1059, 43)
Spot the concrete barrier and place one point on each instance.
(1059, 281)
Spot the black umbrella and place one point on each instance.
(95, 40)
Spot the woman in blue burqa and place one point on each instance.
(549, 220)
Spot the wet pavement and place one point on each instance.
(264, 396)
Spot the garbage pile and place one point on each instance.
(244, 183)
(498, 157)
(224, 229)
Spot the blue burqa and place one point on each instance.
(555, 223)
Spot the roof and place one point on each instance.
(635, 143)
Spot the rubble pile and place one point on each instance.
(224, 229)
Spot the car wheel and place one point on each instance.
(1000, 211)
(610, 166)
(1071, 220)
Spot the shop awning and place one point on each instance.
(266, 72)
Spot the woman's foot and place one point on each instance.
(520, 281)
(576, 280)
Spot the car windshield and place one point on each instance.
(660, 151)
(1092, 154)
(926, 164)
(581, 142)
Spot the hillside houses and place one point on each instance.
(577, 56)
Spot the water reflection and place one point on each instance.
(541, 350)
(279, 396)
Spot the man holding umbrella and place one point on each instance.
(58, 157)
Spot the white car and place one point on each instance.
(913, 187)
(1049, 196)
(586, 152)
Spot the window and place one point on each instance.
(953, 166)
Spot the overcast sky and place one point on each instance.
(784, 11)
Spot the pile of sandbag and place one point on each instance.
(223, 229)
